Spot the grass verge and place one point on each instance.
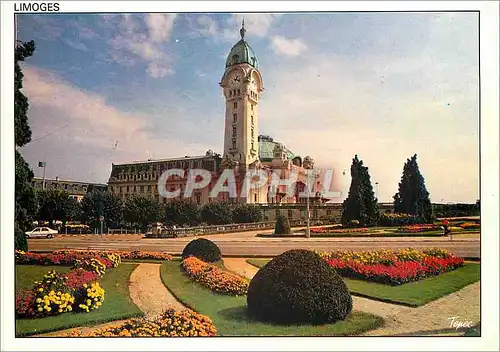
(26, 275)
(117, 305)
(413, 294)
(230, 316)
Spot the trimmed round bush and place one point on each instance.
(203, 249)
(282, 226)
(298, 287)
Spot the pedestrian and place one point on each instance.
(446, 228)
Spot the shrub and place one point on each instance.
(399, 219)
(298, 286)
(213, 278)
(246, 213)
(203, 249)
(282, 226)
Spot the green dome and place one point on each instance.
(266, 149)
(242, 52)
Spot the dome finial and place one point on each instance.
(243, 30)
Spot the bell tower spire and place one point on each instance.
(243, 30)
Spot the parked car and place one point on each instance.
(44, 232)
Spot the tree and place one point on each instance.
(181, 212)
(218, 213)
(246, 213)
(55, 204)
(25, 199)
(360, 205)
(142, 211)
(412, 196)
(102, 203)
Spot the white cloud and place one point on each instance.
(132, 44)
(79, 134)
(229, 30)
(160, 26)
(288, 47)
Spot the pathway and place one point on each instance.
(149, 293)
(433, 318)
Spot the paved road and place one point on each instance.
(246, 244)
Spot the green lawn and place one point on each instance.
(412, 294)
(26, 275)
(229, 313)
(117, 305)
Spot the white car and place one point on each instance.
(44, 232)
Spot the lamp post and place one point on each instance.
(376, 190)
(308, 230)
(43, 164)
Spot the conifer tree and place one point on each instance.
(360, 205)
(25, 199)
(412, 196)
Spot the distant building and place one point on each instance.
(75, 189)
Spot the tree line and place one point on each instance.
(138, 211)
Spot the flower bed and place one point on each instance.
(78, 290)
(215, 279)
(129, 255)
(470, 225)
(326, 230)
(185, 323)
(392, 267)
(419, 228)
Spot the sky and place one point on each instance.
(115, 88)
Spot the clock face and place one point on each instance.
(235, 80)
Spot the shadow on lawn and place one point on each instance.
(239, 314)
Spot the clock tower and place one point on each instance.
(242, 85)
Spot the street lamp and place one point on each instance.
(376, 190)
(43, 164)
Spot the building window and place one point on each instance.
(252, 129)
(251, 106)
(290, 213)
(135, 189)
(234, 131)
(234, 144)
(235, 117)
(127, 189)
(149, 188)
(235, 105)
(239, 91)
(198, 199)
(252, 145)
(251, 116)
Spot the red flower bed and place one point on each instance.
(68, 258)
(77, 277)
(399, 272)
(419, 228)
(25, 304)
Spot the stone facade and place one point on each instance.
(75, 189)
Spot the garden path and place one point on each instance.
(149, 293)
(427, 320)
